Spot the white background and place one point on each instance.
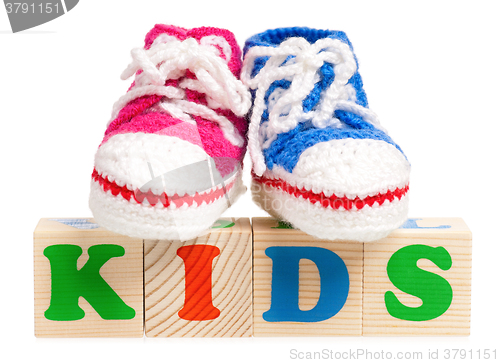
(431, 72)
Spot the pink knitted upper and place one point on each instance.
(132, 118)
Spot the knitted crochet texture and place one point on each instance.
(321, 159)
(170, 160)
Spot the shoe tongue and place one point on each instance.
(178, 32)
(221, 39)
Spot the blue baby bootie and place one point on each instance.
(320, 158)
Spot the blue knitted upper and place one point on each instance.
(287, 148)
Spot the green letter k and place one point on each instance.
(69, 283)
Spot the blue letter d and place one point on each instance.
(334, 284)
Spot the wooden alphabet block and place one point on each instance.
(417, 281)
(88, 281)
(201, 287)
(305, 286)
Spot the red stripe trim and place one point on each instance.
(333, 201)
(153, 199)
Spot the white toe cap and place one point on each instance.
(353, 167)
(129, 159)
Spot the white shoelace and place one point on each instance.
(285, 105)
(169, 58)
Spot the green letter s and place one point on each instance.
(435, 292)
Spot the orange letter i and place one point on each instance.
(198, 269)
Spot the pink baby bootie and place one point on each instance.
(170, 162)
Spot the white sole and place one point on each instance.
(144, 221)
(367, 224)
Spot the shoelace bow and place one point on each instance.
(286, 106)
(168, 58)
